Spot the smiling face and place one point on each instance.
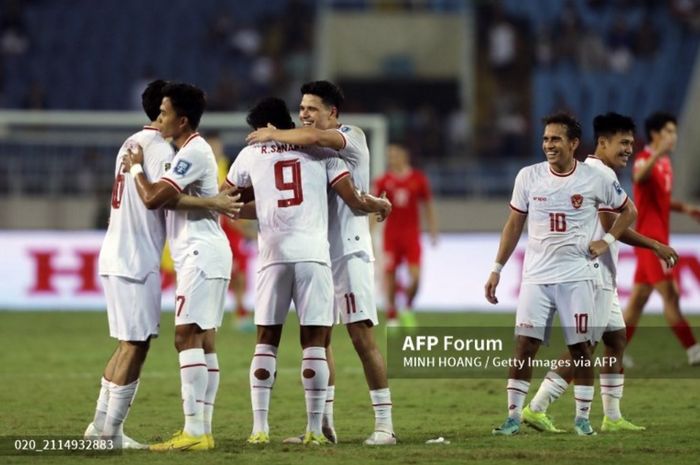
(557, 147)
(616, 150)
(316, 114)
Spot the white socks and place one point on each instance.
(328, 408)
(263, 370)
(381, 402)
(551, 388)
(517, 391)
(583, 396)
(120, 398)
(102, 405)
(611, 386)
(314, 377)
(193, 376)
(212, 386)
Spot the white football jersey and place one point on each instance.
(348, 231)
(291, 199)
(609, 259)
(195, 236)
(133, 245)
(562, 214)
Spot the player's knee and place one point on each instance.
(269, 335)
(581, 350)
(527, 346)
(135, 349)
(183, 340)
(615, 343)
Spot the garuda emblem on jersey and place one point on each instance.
(577, 200)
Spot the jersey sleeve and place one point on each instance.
(613, 195)
(355, 143)
(519, 200)
(336, 169)
(239, 173)
(187, 167)
(610, 179)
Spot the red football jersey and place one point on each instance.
(653, 197)
(405, 193)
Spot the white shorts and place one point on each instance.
(199, 300)
(353, 283)
(133, 306)
(608, 315)
(573, 300)
(308, 284)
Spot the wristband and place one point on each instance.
(609, 238)
(497, 267)
(135, 169)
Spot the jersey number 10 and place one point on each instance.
(294, 167)
(557, 222)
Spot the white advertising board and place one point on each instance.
(57, 270)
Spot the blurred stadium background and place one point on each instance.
(463, 83)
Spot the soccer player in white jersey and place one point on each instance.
(559, 198)
(352, 255)
(291, 206)
(129, 266)
(202, 259)
(614, 136)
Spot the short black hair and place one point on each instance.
(187, 100)
(152, 97)
(329, 93)
(611, 123)
(573, 127)
(656, 122)
(271, 110)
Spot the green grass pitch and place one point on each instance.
(51, 363)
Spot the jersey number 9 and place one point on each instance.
(293, 168)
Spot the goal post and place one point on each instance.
(47, 134)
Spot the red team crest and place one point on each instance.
(577, 200)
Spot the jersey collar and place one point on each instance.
(563, 175)
(192, 136)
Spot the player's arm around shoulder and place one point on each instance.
(153, 195)
(330, 138)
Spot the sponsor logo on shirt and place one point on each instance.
(182, 167)
(577, 200)
(345, 129)
(167, 166)
(618, 187)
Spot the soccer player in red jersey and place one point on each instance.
(405, 187)
(653, 182)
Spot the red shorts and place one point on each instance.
(651, 269)
(400, 248)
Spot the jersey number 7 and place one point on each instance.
(293, 168)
